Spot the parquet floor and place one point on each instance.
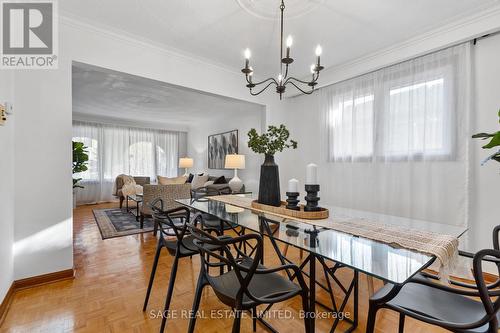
(111, 280)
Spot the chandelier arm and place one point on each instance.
(266, 80)
(303, 91)
(286, 72)
(301, 81)
(257, 93)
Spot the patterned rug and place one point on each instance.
(116, 222)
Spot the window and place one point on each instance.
(92, 173)
(115, 150)
(417, 121)
(352, 124)
(401, 112)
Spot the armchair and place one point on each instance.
(140, 180)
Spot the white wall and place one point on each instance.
(43, 196)
(485, 180)
(301, 114)
(6, 188)
(243, 121)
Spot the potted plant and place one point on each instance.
(80, 162)
(494, 142)
(269, 143)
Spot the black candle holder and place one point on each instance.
(312, 198)
(292, 201)
(313, 236)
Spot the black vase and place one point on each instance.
(269, 187)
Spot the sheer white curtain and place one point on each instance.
(396, 138)
(114, 150)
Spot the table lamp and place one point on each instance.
(186, 163)
(235, 161)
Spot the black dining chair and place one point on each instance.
(246, 284)
(181, 247)
(454, 309)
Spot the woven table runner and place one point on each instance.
(443, 247)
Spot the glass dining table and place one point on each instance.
(333, 250)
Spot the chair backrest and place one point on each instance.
(168, 193)
(165, 220)
(226, 250)
(489, 297)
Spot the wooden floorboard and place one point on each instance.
(110, 281)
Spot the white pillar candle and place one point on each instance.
(293, 185)
(312, 174)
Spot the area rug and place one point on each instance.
(116, 222)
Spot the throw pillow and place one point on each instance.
(171, 181)
(220, 180)
(190, 178)
(198, 181)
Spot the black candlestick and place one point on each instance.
(312, 198)
(292, 200)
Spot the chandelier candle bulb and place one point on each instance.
(289, 42)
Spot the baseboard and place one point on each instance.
(5, 305)
(43, 279)
(29, 283)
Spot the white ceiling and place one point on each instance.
(219, 30)
(103, 93)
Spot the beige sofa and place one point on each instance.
(168, 193)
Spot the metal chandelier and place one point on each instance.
(283, 79)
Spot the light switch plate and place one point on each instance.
(3, 116)
(9, 109)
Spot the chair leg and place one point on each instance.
(305, 307)
(142, 220)
(401, 323)
(155, 228)
(170, 291)
(196, 303)
(237, 321)
(121, 202)
(152, 276)
(254, 318)
(372, 314)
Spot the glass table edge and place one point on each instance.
(425, 265)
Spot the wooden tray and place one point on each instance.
(301, 214)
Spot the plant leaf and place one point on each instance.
(483, 135)
(495, 141)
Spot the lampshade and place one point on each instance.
(185, 162)
(235, 161)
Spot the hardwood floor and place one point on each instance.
(111, 280)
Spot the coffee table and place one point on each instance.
(137, 198)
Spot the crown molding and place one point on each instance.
(457, 31)
(122, 36)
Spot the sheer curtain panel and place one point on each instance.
(397, 138)
(114, 150)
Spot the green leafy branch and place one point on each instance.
(80, 161)
(494, 142)
(274, 140)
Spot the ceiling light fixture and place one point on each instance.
(283, 79)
